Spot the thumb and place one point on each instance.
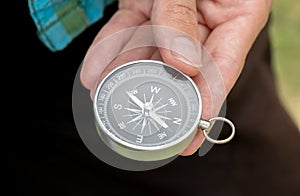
(178, 39)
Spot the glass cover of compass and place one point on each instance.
(147, 110)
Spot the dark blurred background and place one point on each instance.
(285, 32)
(39, 85)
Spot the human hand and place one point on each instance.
(226, 28)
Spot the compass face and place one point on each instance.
(147, 105)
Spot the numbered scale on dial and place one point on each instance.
(146, 110)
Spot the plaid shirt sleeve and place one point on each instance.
(58, 22)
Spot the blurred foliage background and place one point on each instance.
(285, 36)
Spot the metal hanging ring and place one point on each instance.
(212, 120)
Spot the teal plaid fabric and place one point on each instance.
(58, 22)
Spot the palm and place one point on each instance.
(226, 28)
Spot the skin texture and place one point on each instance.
(226, 28)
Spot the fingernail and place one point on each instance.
(185, 50)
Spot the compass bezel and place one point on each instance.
(183, 141)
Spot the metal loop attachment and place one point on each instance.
(207, 125)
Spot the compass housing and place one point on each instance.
(147, 110)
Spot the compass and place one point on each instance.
(147, 110)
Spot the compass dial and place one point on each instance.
(147, 105)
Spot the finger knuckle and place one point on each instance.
(181, 12)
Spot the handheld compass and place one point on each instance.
(146, 110)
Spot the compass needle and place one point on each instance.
(135, 100)
(133, 104)
(154, 124)
(157, 119)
